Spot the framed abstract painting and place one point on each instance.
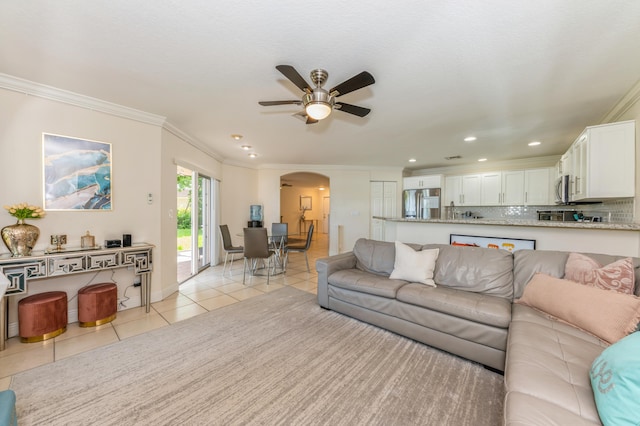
(76, 173)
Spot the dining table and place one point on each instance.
(278, 242)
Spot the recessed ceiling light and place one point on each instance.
(412, 160)
(246, 147)
(470, 139)
(321, 188)
(482, 159)
(534, 143)
(253, 155)
(236, 136)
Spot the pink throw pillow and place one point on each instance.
(605, 314)
(617, 276)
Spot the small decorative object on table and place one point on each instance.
(88, 241)
(21, 237)
(58, 241)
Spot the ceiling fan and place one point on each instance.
(319, 102)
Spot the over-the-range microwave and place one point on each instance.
(562, 189)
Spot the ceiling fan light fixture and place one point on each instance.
(318, 104)
(318, 110)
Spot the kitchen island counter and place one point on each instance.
(596, 237)
(523, 222)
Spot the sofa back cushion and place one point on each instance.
(528, 262)
(475, 269)
(376, 257)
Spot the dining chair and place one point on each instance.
(278, 240)
(280, 232)
(256, 247)
(228, 247)
(302, 248)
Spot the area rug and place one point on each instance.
(274, 359)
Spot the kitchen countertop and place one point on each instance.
(524, 222)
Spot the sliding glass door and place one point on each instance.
(203, 232)
(193, 222)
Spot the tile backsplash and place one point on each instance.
(618, 211)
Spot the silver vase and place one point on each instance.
(20, 238)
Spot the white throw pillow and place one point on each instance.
(414, 266)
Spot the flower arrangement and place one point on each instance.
(23, 211)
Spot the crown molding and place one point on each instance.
(623, 105)
(169, 127)
(28, 87)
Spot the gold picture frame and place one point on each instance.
(305, 202)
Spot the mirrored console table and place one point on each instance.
(16, 272)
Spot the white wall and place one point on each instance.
(136, 169)
(238, 191)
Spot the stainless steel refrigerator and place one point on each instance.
(421, 203)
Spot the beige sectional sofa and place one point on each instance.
(470, 313)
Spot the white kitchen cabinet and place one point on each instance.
(491, 187)
(383, 204)
(452, 190)
(564, 166)
(579, 167)
(471, 190)
(503, 188)
(462, 190)
(604, 162)
(512, 188)
(420, 182)
(538, 186)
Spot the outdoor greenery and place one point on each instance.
(183, 217)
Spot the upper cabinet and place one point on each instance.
(603, 162)
(503, 188)
(419, 182)
(538, 186)
(463, 190)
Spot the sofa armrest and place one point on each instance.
(327, 266)
(8, 408)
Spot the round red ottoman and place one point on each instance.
(97, 304)
(42, 316)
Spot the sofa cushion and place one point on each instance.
(377, 257)
(617, 276)
(481, 308)
(414, 265)
(605, 314)
(527, 262)
(615, 379)
(547, 371)
(354, 279)
(474, 269)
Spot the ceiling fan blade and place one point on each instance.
(272, 103)
(293, 75)
(302, 115)
(352, 109)
(356, 82)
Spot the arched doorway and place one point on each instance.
(305, 199)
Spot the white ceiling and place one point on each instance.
(506, 71)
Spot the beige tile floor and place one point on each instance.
(205, 292)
